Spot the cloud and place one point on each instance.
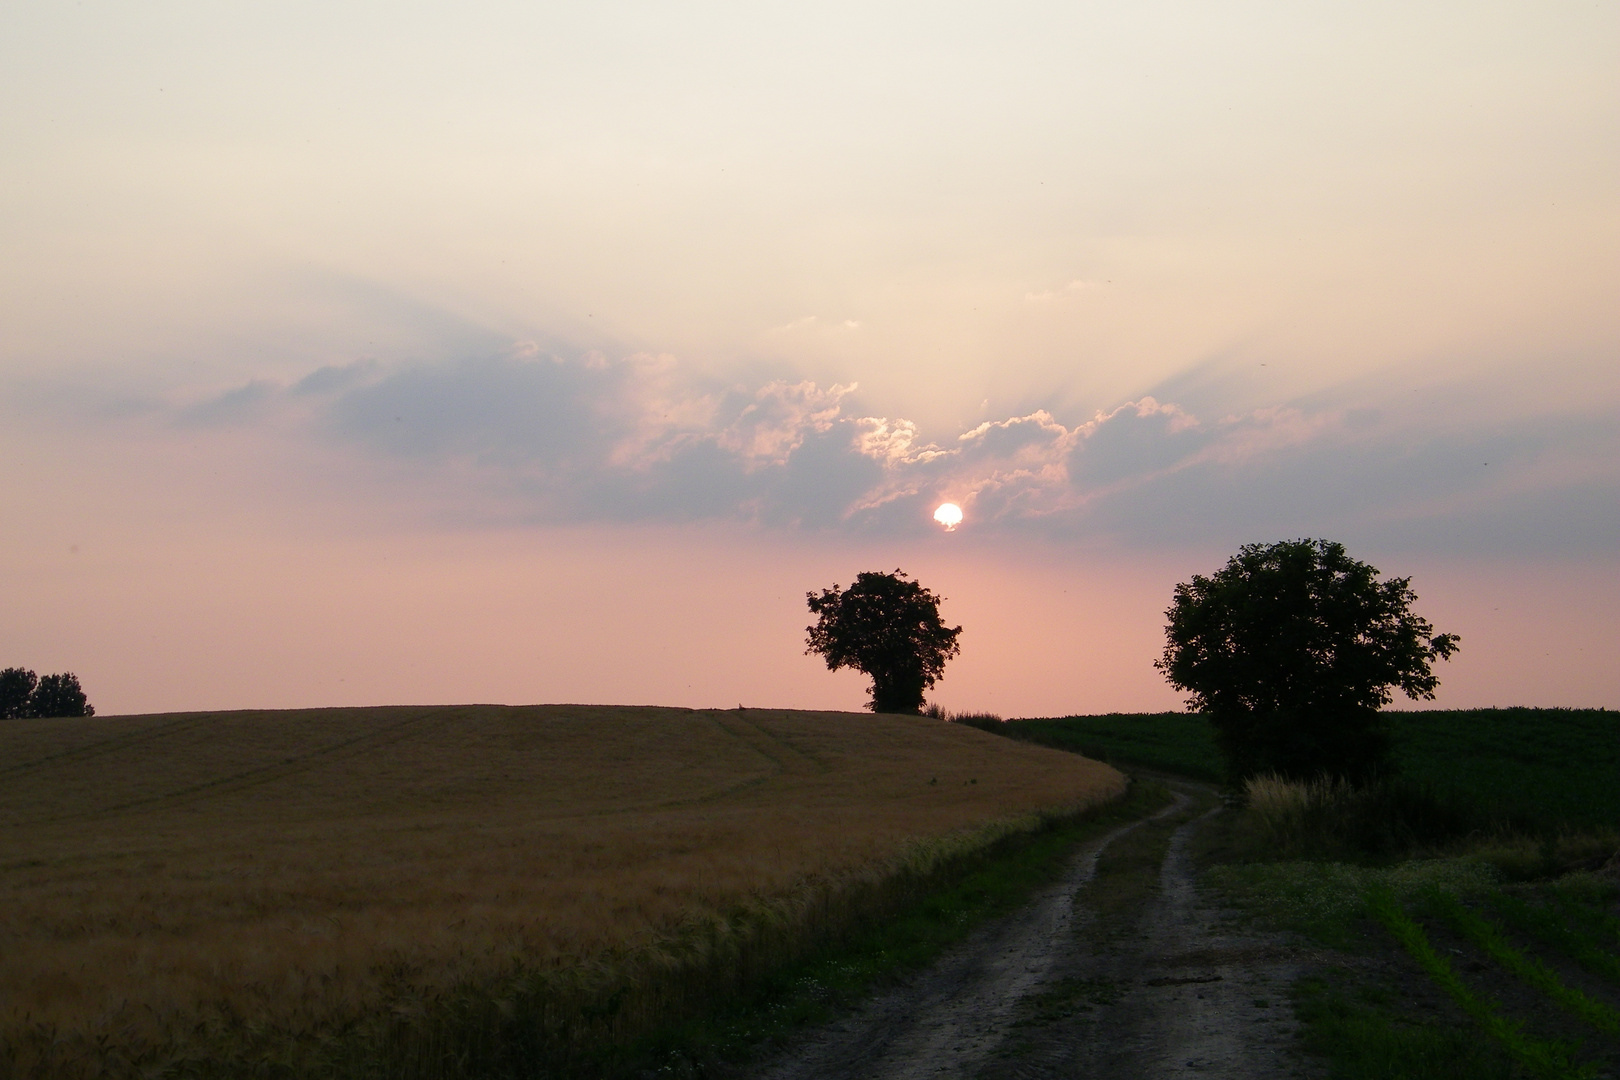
(542, 437)
(506, 411)
(775, 424)
(1048, 296)
(808, 323)
(232, 407)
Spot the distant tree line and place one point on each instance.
(24, 694)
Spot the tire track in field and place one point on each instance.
(783, 759)
(788, 758)
(259, 774)
(122, 741)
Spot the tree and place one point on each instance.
(16, 687)
(22, 694)
(1290, 650)
(887, 626)
(60, 695)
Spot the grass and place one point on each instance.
(1361, 1017)
(1432, 858)
(1332, 818)
(1367, 1033)
(451, 891)
(1326, 901)
(1542, 1057)
(1483, 933)
(1560, 927)
(1537, 770)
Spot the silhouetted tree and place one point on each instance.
(60, 695)
(16, 687)
(23, 694)
(887, 626)
(1290, 649)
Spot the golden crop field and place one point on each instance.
(167, 880)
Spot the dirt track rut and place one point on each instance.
(1049, 992)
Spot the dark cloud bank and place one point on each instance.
(634, 440)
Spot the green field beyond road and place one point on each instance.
(1538, 769)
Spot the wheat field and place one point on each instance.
(171, 883)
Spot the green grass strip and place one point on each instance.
(1606, 922)
(1549, 928)
(1541, 1057)
(1482, 932)
(1360, 1026)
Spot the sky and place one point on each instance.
(366, 353)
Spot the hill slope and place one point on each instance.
(300, 867)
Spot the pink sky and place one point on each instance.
(534, 354)
(226, 592)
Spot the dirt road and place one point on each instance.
(1062, 988)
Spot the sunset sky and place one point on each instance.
(399, 353)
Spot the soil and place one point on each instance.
(1160, 985)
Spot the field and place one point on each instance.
(1466, 918)
(1180, 743)
(1538, 770)
(269, 892)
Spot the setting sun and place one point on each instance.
(948, 515)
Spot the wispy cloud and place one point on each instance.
(815, 324)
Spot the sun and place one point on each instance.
(948, 515)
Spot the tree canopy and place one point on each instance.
(1291, 648)
(23, 694)
(889, 627)
(16, 687)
